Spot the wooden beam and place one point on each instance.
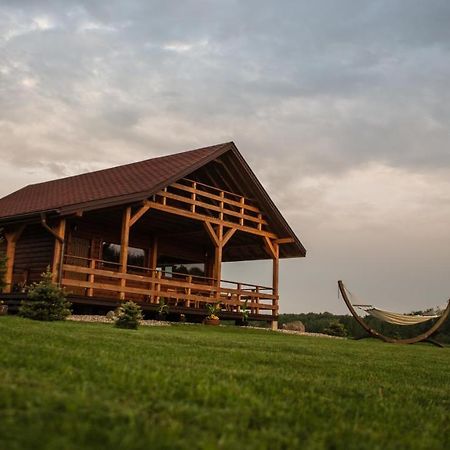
(212, 220)
(270, 247)
(228, 235)
(285, 241)
(212, 234)
(139, 213)
(124, 240)
(11, 240)
(59, 232)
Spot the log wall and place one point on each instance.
(34, 252)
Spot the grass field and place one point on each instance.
(73, 385)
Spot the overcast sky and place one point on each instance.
(342, 108)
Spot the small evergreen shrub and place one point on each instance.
(46, 301)
(128, 316)
(336, 328)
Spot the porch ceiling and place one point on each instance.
(173, 232)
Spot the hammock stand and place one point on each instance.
(424, 337)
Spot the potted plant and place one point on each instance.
(212, 318)
(3, 308)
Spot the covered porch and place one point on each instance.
(180, 237)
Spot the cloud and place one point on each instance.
(319, 98)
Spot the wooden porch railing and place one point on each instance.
(93, 277)
(200, 201)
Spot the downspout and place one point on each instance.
(63, 245)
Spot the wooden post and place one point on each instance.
(222, 196)
(194, 196)
(238, 297)
(189, 290)
(217, 240)
(257, 300)
(153, 263)
(158, 285)
(91, 278)
(153, 256)
(242, 211)
(275, 283)
(125, 237)
(259, 223)
(11, 241)
(58, 230)
(218, 260)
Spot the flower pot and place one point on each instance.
(3, 310)
(211, 321)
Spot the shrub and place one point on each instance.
(128, 316)
(336, 328)
(46, 301)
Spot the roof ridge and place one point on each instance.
(213, 148)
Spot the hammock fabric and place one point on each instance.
(396, 318)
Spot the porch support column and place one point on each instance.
(152, 264)
(216, 236)
(275, 283)
(125, 237)
(11, 240)
(218, 257)
(219, 240)
(59, 231)
(273, 250)
(153, 254)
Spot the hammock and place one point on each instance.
(395, 318)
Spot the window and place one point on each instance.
(111, 253)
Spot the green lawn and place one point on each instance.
(90, 386)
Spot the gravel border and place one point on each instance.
(104, 319)
(161, 323)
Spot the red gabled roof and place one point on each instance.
(131, 183)
(115, 183)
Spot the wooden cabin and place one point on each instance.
(159, 228)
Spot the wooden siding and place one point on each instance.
(34, 252)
